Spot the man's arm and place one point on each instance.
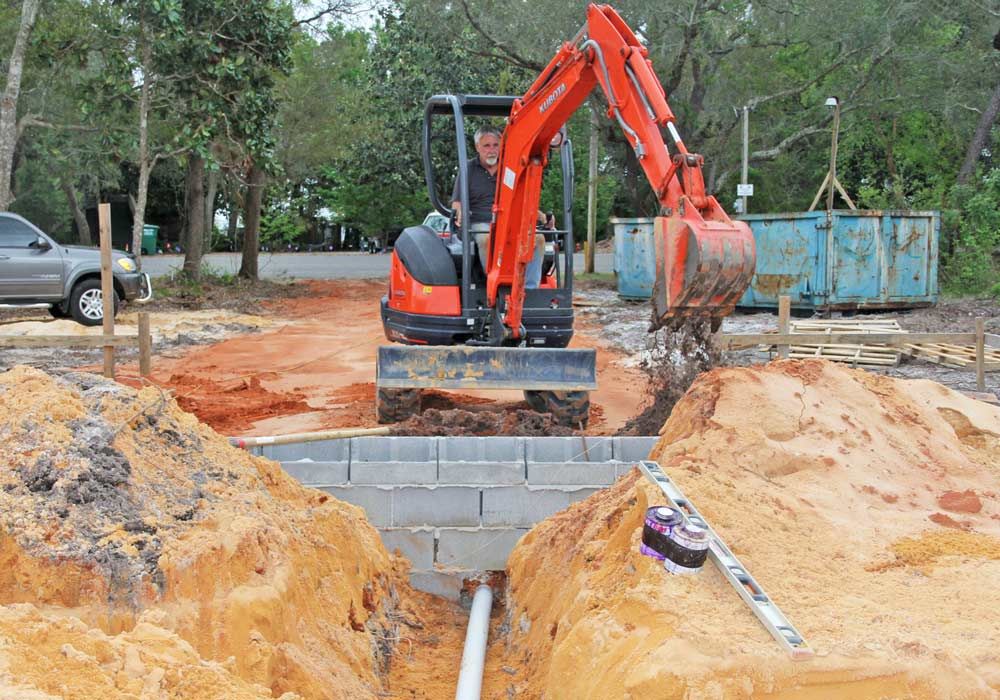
(457, 206)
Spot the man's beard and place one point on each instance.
(492, 160)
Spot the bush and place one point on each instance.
(972, 267)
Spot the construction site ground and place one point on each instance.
(277, 358)
(145, 557)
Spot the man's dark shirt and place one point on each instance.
(482, 190)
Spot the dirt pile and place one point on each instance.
(141, 555)
(832, 485)
(234, 406)
(458, 422)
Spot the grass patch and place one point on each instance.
(595, 280)
(216, 289)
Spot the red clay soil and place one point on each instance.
(316, 371)
(961, 501)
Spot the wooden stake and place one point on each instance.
(980, 354)
(145, 345)
(107, 287)
(784, 313)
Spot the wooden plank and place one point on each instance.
(784, 313)
(67, 341)
(840, 324)
(980, 354)
(858, 350)
(145, 345)
(844, 359)
(953, 356)
(727, 340)
(853, 346)
(107, 286)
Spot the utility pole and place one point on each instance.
(591, 198)
(746, 158)
(833, 155)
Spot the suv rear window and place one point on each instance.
(16, 234)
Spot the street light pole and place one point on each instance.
(831, 182)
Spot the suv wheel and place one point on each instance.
(86, 303)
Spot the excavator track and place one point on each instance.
(568, 408)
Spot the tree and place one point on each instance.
(9, 131)
(227, 51)
(982, 132)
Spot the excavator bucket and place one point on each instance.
(704, 263)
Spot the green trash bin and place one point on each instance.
(149, 234)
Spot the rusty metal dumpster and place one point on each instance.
(635, 257)
(845, 259)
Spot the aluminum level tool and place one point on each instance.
(750, 591)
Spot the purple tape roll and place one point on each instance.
(662, 520)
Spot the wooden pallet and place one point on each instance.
(871, 355)
(847, 325)
(958, 356)
(859, 355)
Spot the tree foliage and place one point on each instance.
(332, 115)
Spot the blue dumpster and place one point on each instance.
(635, 257)
(845, 259)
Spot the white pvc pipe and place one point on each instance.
(470, 675)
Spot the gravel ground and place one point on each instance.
(626, 326)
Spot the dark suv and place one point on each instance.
(37, 272)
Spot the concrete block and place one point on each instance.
(632, 449)
(376, 502)
(446, 585)
(568, 449)
(442, 506)
(317, 473)
(478, 548)
(521, 506)
(393, 449)
(481, 449)
(582, 473)
(318, 451)
(481, 460)
(622, 468)
(394, 472)
(417, 545)
(488, 473)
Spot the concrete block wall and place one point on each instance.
(456, 507)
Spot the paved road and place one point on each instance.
(313, 265)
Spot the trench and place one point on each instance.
(159, 560)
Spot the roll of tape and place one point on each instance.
(667, 537)
(657, 526)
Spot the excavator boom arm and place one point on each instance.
(704, 260)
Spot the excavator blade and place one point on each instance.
(481, 367)
(704, 263)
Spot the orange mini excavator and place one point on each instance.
(459, 328)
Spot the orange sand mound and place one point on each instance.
(824, 480)
(142, 556)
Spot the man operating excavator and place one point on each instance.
(482, 178)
